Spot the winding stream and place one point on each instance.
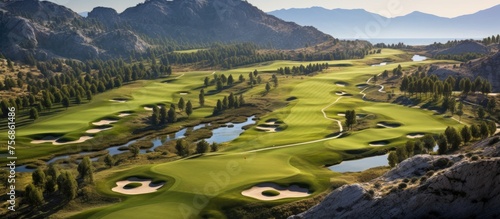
(220, 135)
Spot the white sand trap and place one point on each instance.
(267, 129)
(93, 131)
(81, 140)
(183, 94)
(145, 188)
(340, 84)
(290, 192)
(48, 139)
(148, 108)
(124, 114)
(118, 101)
(341, 93)
(104, 122)
(413, 136)
(270, 123)
(341, 114)
(387, 126)
(378, 145)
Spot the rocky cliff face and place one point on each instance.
(47, 30)
(453, 186)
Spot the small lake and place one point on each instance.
(360, 164)
(418, 58)
(225, 134)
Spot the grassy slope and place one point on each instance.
(200, 185)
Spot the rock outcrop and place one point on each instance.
(452, 186)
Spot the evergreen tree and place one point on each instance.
(466, 134)
(181, 148)
(67, 184)
(189, 108)
(33, 114)
(393, 159)
(429, 142)
(201, 97)
(86, 170)
(484, 130)
(155, 117)
(202, 147)
(172, 116)
(475, 131)
(268, 87)
(33, 195)
(214, 147)
(65, 102)
(163, 115)
(181, 104)
(38, 177)
(442, 144)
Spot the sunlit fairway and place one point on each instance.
(214, 181)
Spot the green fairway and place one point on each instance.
(207, 184)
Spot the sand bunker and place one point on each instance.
(361, 86)
(104, 122)
(146, 186)
(124, 114)
(388, 125)
(148, 108)
(48, 139)
(55, 141)
(118, 100)
(341, 84)
(266, 129)
(415, 135)
(81, 140)
(93, 131)
(340, 93)
(183, 93)
(290, 192)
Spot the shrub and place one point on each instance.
(430, 173)
(474, 158)
(406, 180)
(441, 163)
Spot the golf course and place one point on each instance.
(280, 159)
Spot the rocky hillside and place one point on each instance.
(487, 67)
(462, 48)
(47, 30)
(425, 186)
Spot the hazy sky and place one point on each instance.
(390, 8)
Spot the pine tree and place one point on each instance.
(181, 104)
(33, 114)
(202, 147)
(33, 195)
(466, 134)
(172, 116)
(189, 108)
(163, 115)
(201, 97)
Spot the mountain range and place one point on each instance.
(47, 30)
(359, 23)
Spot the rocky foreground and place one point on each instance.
(424, 186)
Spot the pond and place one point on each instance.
(360, 164)
(418, 58)
(229, 133)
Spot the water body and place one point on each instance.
(418, 58)
(225, 134)
(360, 164)
(220, 135)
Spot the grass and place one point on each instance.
(211, 183)
(132, 185)
(270, 193)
